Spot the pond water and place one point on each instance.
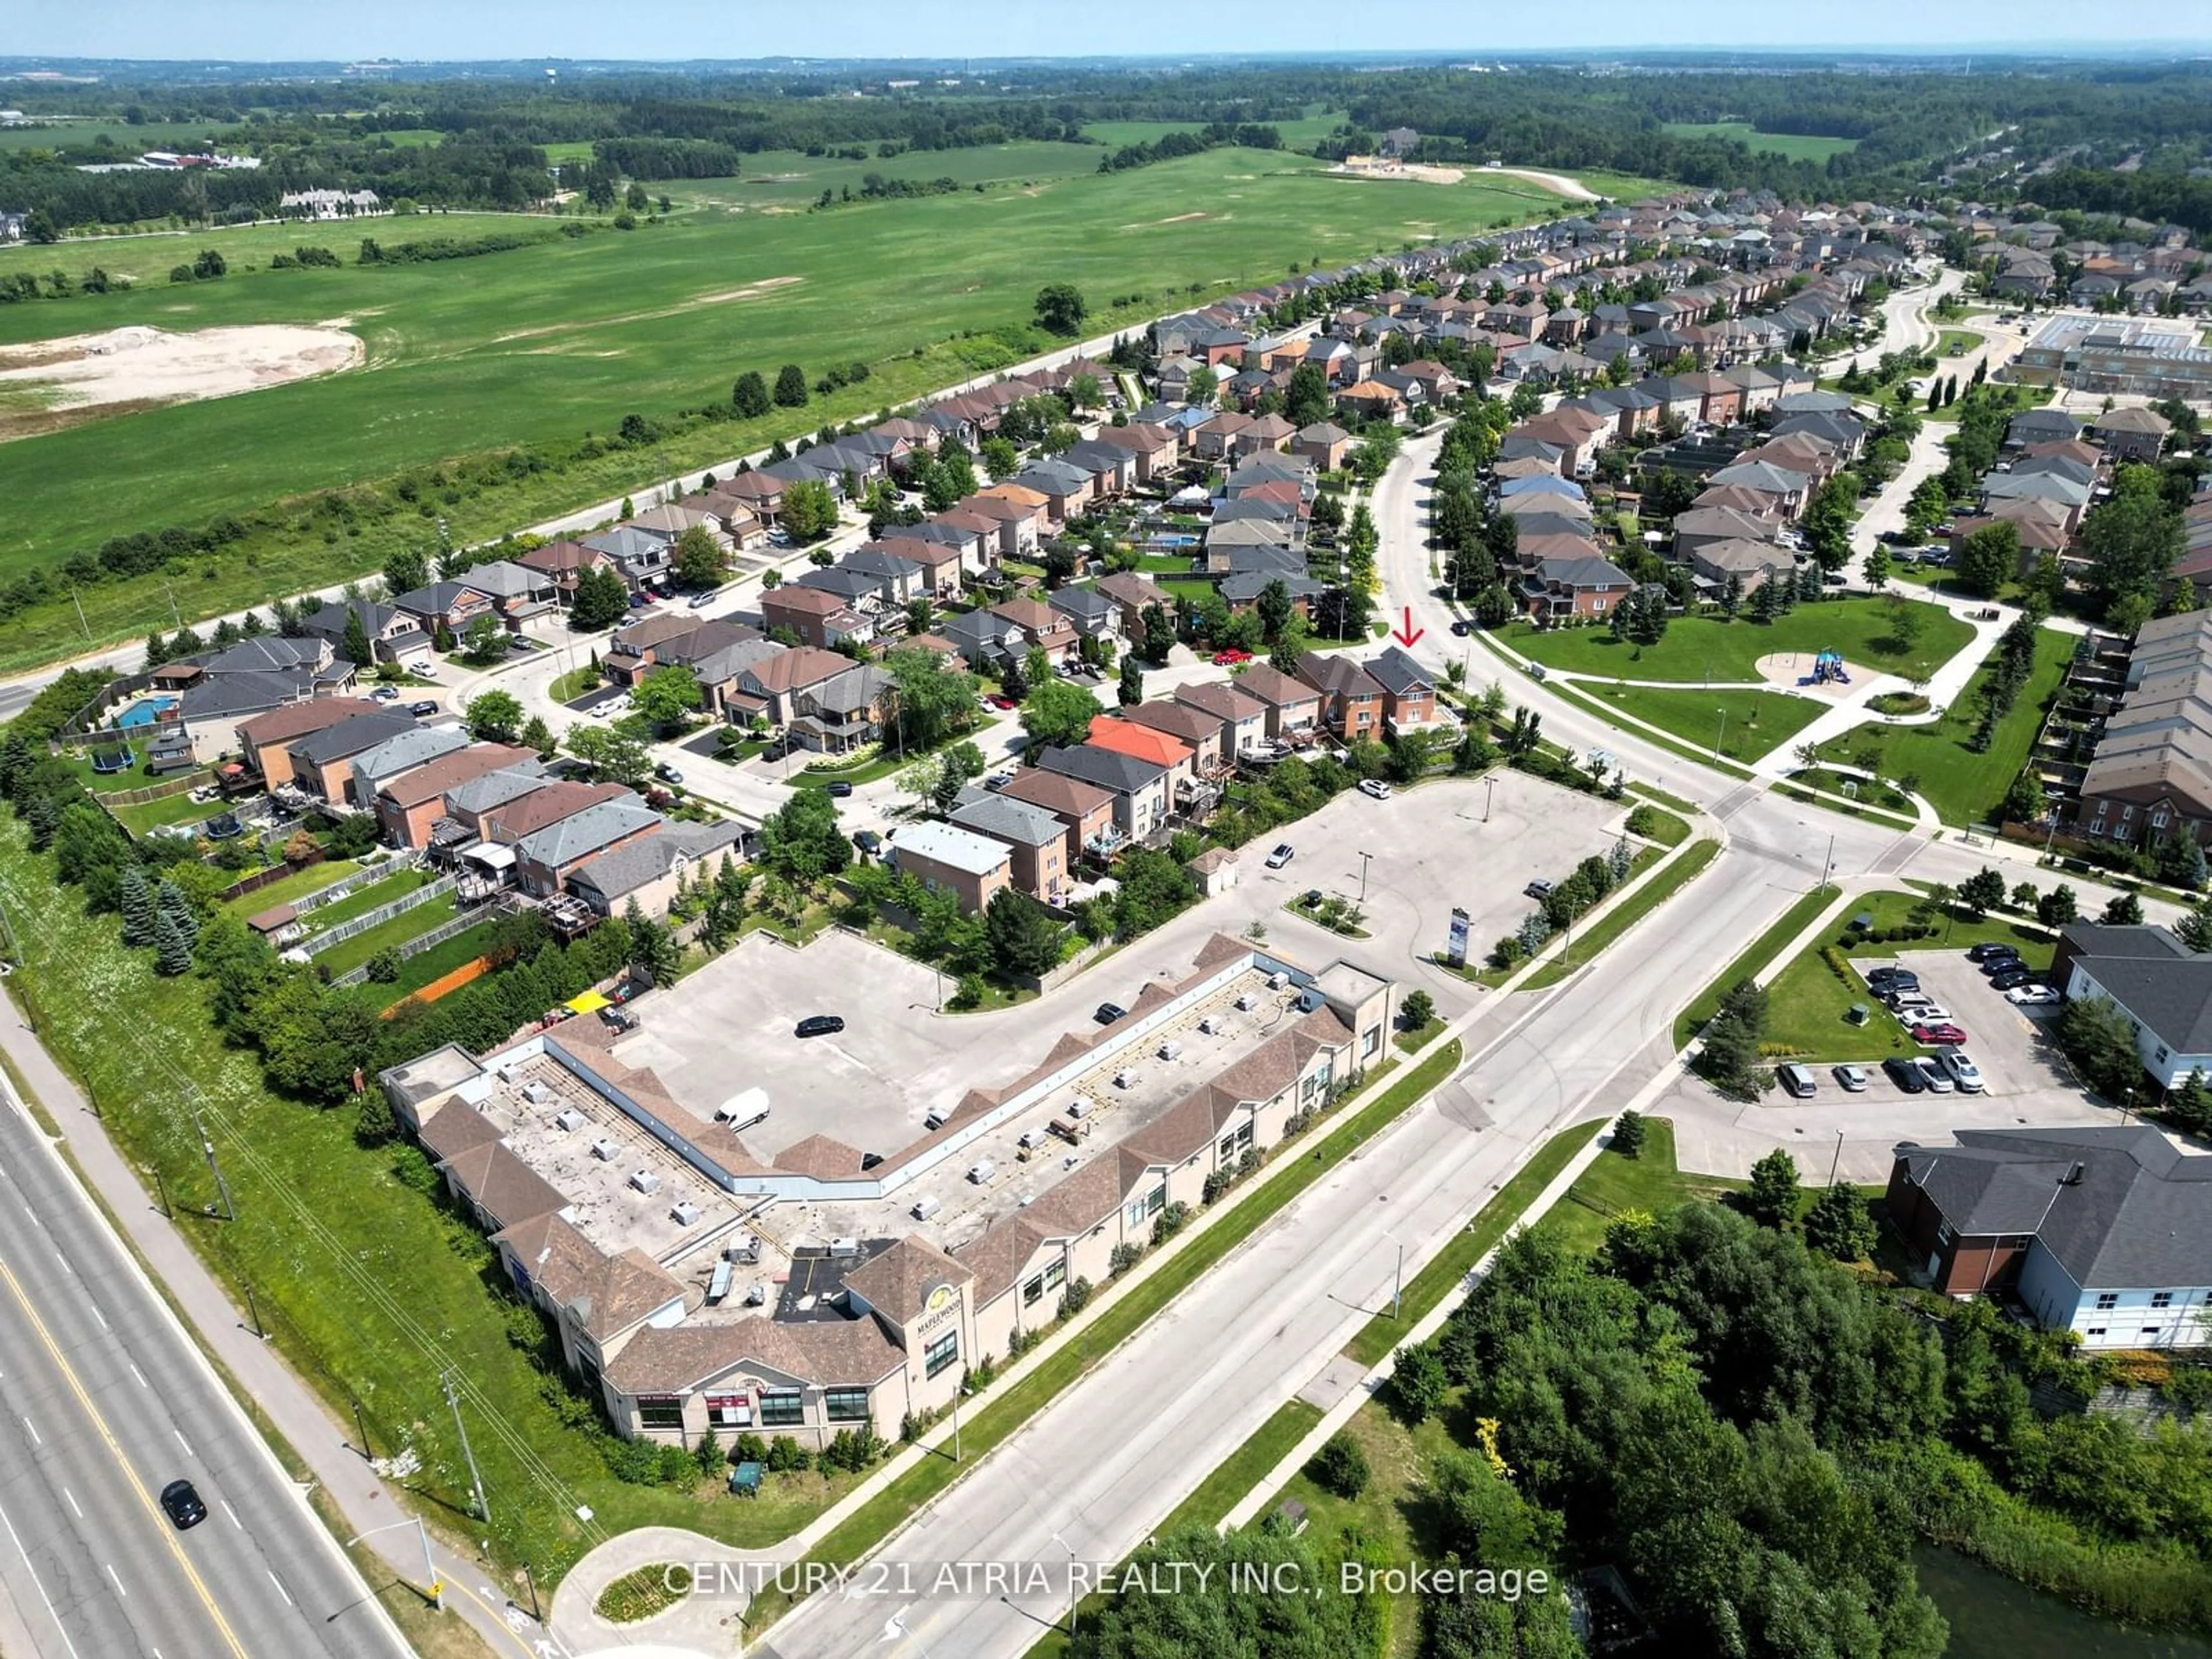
(1994, 1618)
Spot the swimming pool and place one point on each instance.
(1176, 539)
(145, 711)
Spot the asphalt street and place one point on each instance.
(105, 1403)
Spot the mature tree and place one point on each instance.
(1989, 558)
(1307, 403)
(1982, 891)
(1418, 1382)
(699, 561)
(1057, 713)
(484, 641)
(494, 716)
(1876, 567)
(1159, 634)
(1000, 458)
(1025, 939)
(791, 386)
(961, 764)
(1837, 1225)
(1060, 308)
(2057, 906)
(2124, 911)
(668, 696)
(749, 395)
(405, 569)
(1771, 1198)
(1199, 389)
(2100, 1041)
(136, 902)
(1130, 691)
(1276, 608)
(2132, 539)
(1827, 520)
(1628, 1134)
(654, 955)
(356, 647)
(801, 841)
(611, 756)
(934, 701)
(536, 734)
(602, 600)
(173, 950)
(809, 510)
(1303, 1611)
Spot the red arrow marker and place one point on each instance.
(1408, 633)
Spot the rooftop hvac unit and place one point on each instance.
(536, 1093)
(981, 1173)
(844, 1247)
(1248, 1002)
(605, 1150)
(1278, 982)
(1080, 1107)
(756, 1297)
(1169, 1050)
(568, 1118)
(1124, 1078)
(683, 1212)
(645, 1181)
(507, 1074)
(1031, 1139)
(743, 1248)
(1208, 1025)
(926, 1206)
(719, 1286)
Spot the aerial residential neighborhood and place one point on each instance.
(1048, 852)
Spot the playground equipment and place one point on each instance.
(1827, 669)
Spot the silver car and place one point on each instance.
(1933, 1074)
(1852, 1079)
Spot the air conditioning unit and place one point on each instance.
(1208, 1025)
(1124, 1078)
(568, 1118)
(683, 1212)
(844, 1247)
(1169, 1049)
(756, 1297)
(1248, 1002)
(507, 1074)
(1080, 1107)
(981, 1173)
(536, 1093)
(1278, 982)
(1031, 1139)
(605, 1150)
(645, 1181)
(743, 1248)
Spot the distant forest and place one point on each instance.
(2109, 137)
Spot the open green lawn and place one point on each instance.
(1761, 951)
(1757, 721)
(171, 810)
(1796, 147)
(1649, 1181)
(541, 344)
(1696, 650)
(435, 962)
(247, 249)
(793, 179)
(310, 879)
(1962, 786)
(344, 958)
(1957, 342)
(2017, 396)
(1807, 1002)
(363, 900)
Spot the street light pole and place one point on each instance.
(1398, 1282)
(1490, 791)
(476, 1479)
(1723, 737)
(1365, 859)
(435, 1586)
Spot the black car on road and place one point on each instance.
(816, 1025)
(180, 1502)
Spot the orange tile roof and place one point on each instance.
(1137, 742)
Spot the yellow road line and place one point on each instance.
(122, 1461)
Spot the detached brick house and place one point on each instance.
(1409, 692)
(946, 858)
(820, 619)
(1351, 697)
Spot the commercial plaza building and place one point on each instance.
(696, 1281)
(2149, 356)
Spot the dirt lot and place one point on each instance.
(56, 383)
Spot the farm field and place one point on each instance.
(1303, 133)
(551, 342)
(128, 140)
(1796, 146)
(146, 257)
(793, 179)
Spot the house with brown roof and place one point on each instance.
(1351, 697)
(409, 804)
(1293, 706)
(770, 687)
(1242, 716)
(1084, 809)
(509, 821)
(1325, 444)
(1371, 400)
(1132, 594)
(818, 618)
(1040, 627)
(565, 561)
(1205, 734)
(1155, 449)
(265, 742)
(1013, 527)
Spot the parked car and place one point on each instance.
(1230, 657)
(419, 709)
(1852, 1079)
(1374, 789)
(2031, 996)
(1001, 701)
(840, 790)
(1283, 855)
(1886, 981)
(1107, 1012)
(1905, 1074)
(1463, 627)
(2011, 980)
(868, 842)
(815, 1025)
(1963, 1071)
(621, 1019)
(180, 1502)
(998, 780)
(700, 601)
(1540, 890)
(667, 773)
(1924, 1011)
(1937, 1079)
(1795, 1080)
(1941, 1032)
(385, 694)
(1990, 948)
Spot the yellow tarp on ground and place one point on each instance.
(589, 1003)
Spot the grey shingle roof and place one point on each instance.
(572, 838)
(617, 874)
(1121, 774)
(1012, 821)
(353, 737)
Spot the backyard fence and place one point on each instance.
(353, 927)
(112, 799)
(422, 942)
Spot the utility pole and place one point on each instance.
(1837, 1162)
(453, 1399)
(1365, 859)
(1398, 1283)
(81, 621)
(191, 1102)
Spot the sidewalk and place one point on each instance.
(255, 1369)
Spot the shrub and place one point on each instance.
(1169, 1222)
(1628, 1133)
(1124, 1257)
(787, 1456)
(1075, 1297)
(1339, 1466)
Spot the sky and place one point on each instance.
(268, 30)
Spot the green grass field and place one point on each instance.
(1696, 650)
(1963, 787)
(1649, 1182)
(1793, 146)
(545, 344)
(128, 140)
(311, 879)
(793, 179)
(1757, 721)
(146, 260)
(1761, 951)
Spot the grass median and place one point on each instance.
(1707, 1003)
(1005, 1412)
(1620, 917)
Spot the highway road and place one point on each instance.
(103, 1401)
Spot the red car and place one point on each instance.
(1000, 700)
(1938, 1034)
(1230, 657)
